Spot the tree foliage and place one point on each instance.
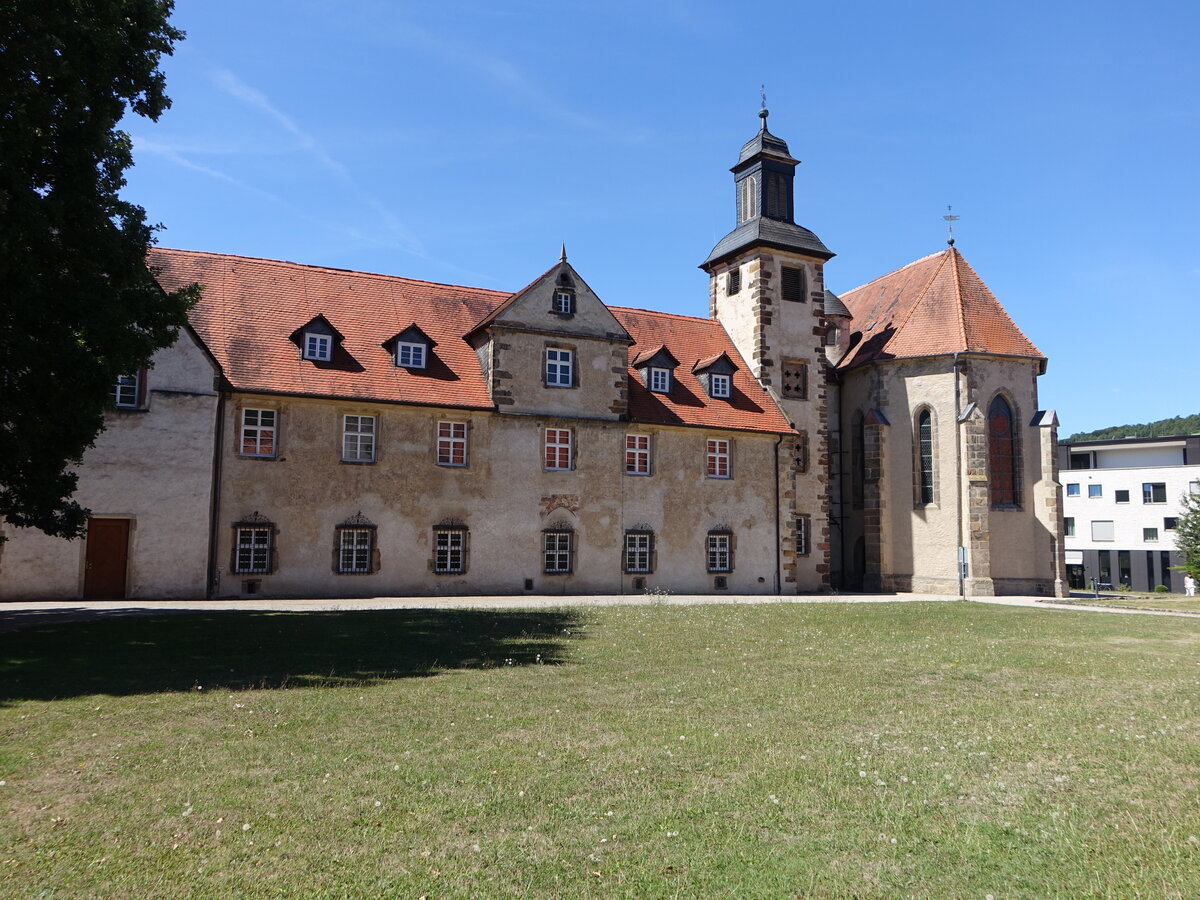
(78, 307)
(1172, 427)
(1187, 533)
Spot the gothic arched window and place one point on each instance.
(924, 458)
(1003, 455)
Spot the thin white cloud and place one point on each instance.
(403, 236)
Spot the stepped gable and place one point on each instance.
(932, 307)
(690, 340)
(250, 308)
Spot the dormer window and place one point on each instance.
(317, 340)
(410, 355)
(656, 365)
(318, 347)
(716, 376)
(411, 349)
(563, 302)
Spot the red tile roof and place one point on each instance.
(250, 307)
(690, 340)
(932, 307)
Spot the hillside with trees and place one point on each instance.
(1162, 428)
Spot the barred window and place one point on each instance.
(733, 283)
(252, 549)
(558, 549)
(450, 551)
(803, 535)
(355, 547)
(720, 551)
(639, 552)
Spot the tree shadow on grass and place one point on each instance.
(121, 655)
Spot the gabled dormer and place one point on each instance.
(715, 375)
(411, 349)
(554, 348)
(656, 366)
(317, 340)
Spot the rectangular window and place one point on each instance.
(258, 432)
(1095, 490)
(318, 347)
(1164, 564)
(717, 459)
(125, 392)
(558, 448)
(720, 386)
(794, 287)
(452, 444)
(720, 552)
(1150, 535)
(1081, 460)
(564, 302)
(410, 355)
(1154, 493)
(252, 550)
(557, 552)
(637, 454)
(1104, 558)
(1124, 569)
(639, 547)
(795, 380)
(1170, 523)
(1072, 490)
(1121, 496)
(733, 282)
(803, 531)
(1102, 530)
(660, 380)
(354, 550)
(1194, 487)
(559, 367)
(358, 438)
(450, 551)
(1069, 526)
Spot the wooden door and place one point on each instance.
(106, 558)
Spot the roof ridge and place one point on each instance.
(920, 297)
(955, 256)
(288, 262)
(660, 313)
(889, 274)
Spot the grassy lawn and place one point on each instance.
(1174, 602)
(875, 751)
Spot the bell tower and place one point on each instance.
(766, 287)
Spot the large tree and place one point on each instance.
(78, 306)
(1187, 533)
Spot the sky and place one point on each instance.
(463, 143)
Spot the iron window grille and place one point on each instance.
(355, 548)
(450, 551)
(720, 551)
(253, 545)
(558, 551)
(639, 552)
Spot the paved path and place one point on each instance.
(23, 614)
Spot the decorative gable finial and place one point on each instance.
(763, 112)
(562, 257)
(950, 220)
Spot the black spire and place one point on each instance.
(763, 181)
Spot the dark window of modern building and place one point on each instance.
(1069, 526)
(1154, 493)
(1105, 560)
(1124, 569)
(1164, 559)
(1081, 460)
(1121, 496)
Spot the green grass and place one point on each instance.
(875, 751)
(1172, 602)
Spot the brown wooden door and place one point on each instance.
(105, 559)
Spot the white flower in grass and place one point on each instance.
(862, 774)
(773, 799)
(246, 827)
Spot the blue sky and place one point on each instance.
(463, 142)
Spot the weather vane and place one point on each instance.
(762, 112)
(950, 219)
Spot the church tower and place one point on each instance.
(766, 287)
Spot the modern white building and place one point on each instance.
(1121, 500)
